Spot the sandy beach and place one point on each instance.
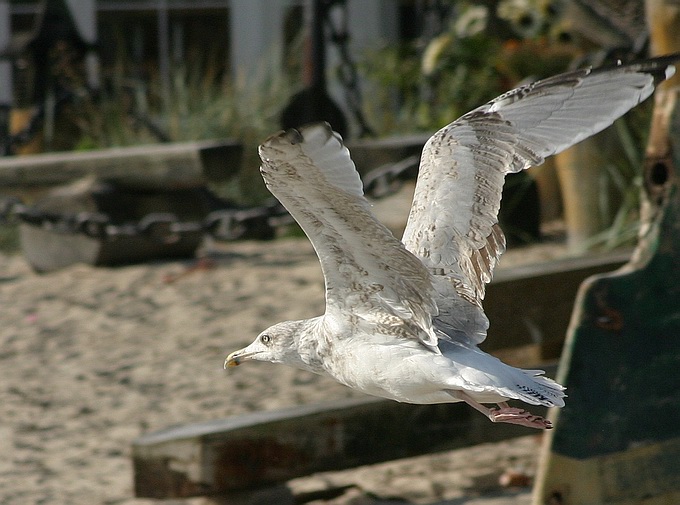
(91, 358)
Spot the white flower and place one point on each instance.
(433, 52)
(471, 22)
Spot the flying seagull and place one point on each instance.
(403, 319)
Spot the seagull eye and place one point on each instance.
(265, 339)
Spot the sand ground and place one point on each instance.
(90, 358)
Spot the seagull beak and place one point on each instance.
(236, 357)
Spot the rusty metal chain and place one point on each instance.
(163, 227)
(221, 224)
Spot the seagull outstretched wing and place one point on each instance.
(453, 223)
(368, 273)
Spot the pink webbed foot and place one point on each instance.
(504, 413)
(512, 415)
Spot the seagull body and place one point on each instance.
(404, 318)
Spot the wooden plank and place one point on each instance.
(264, 449)
(158, 166)
(532, 304)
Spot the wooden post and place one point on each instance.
(84, 14)
(617, 440)
(580, 171)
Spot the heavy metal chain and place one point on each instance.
(336, 23)
(163, 227)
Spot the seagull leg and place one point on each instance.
(505, 413)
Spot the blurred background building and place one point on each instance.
(143, 41)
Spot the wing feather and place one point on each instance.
(453, 223)
(368, 272)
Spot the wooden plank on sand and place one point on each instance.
(264, 449)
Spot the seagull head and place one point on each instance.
(277, 344)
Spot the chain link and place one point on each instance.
(162, 227)
(166, 228)
(336, 23)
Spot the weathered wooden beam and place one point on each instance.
(158, 166)
(265, 449)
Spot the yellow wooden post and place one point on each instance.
(580, 171)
